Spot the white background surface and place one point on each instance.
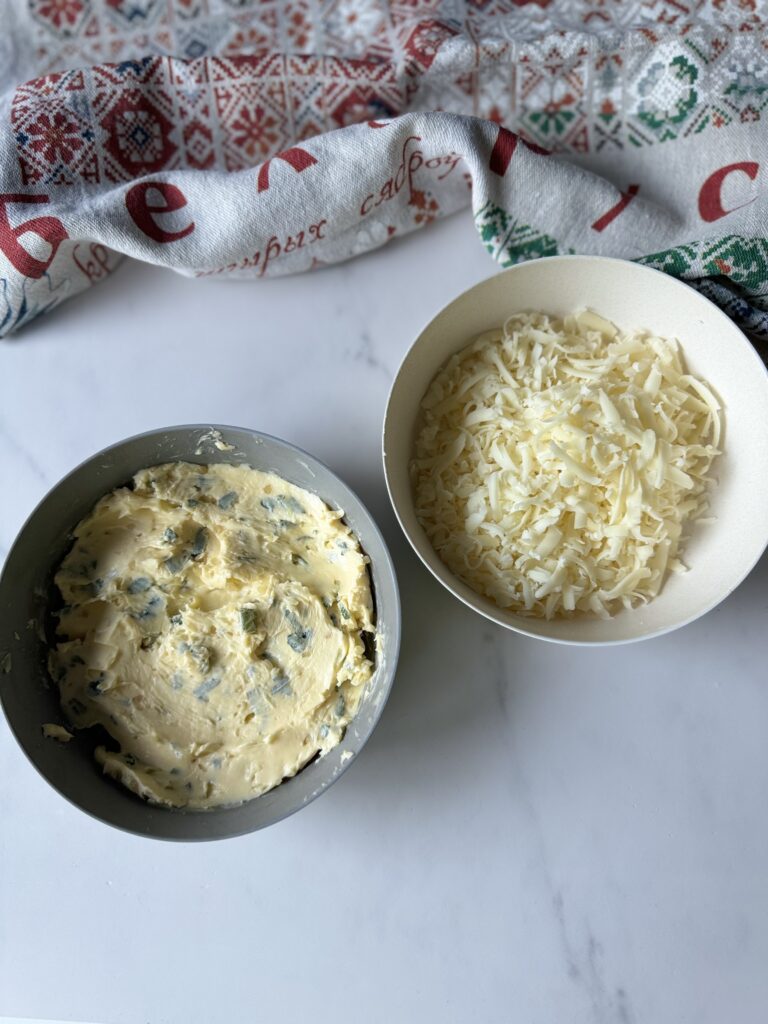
(534, 834)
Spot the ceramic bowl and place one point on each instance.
(30, 698)
(719, 554)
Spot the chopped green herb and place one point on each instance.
(192, 502)
(300, 640)
(198, 544)
(282, 684)
(284, 501)
(169, 535)
(292, 504)
(202, 691)
(293, 620)
(94, 686)
(176, 563)
(201, 655)
(228, 500)
(139, 585)
(176, 620)
(249, 620)
(149, 610)
(344, 611)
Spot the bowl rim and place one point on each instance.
(441, 572)
(394, 634)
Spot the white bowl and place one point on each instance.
(719, 554)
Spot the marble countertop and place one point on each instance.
(534, 834)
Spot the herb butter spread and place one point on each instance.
(213, 624)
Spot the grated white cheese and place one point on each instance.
(558, 461)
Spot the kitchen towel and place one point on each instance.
(250, 138)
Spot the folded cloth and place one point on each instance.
(248, 139)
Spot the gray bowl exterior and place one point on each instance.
(30, 698)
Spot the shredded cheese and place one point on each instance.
(558, 462)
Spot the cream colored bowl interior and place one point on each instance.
(719, 554)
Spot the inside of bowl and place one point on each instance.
(719, 554)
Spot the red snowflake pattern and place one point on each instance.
(254, 131)
(61, 14)
(55, 137)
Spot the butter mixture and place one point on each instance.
(216, 623)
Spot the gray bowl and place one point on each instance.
(30, 698)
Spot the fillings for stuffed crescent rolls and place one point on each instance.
(216, 623)
(559, 461)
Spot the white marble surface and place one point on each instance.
(534, 834)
